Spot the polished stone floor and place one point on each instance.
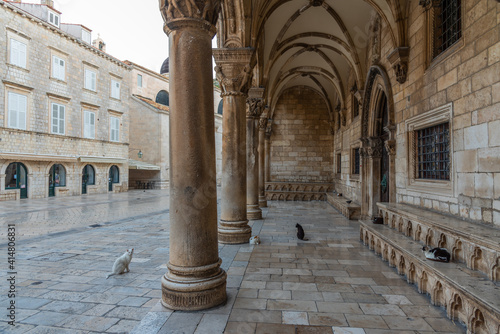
(329, 284)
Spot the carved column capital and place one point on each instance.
(233, 70)
(372, 147)
(206, 10)
(255, 102)
(427, 4)
(399, 62)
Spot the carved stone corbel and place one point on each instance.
(390, 147)
(399, 62)
(255, 102)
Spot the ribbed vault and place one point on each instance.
(314, 43)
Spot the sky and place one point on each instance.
(132, 30)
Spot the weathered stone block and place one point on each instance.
(483, 185)
(466, 161)
(489, 160)
(476, 136)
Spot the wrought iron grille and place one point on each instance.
(433, 152)
(448, 25)
(356, 161)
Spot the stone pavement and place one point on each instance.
(329, 284)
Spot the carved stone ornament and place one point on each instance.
(255, 107)
(233, 70)
(372, 147)
(376, 39)
(390, 147)
(263, 123)
(427, 4)
(399, 61)
(207, 10)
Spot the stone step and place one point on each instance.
(349, 210)
(468, 295)
(477, 245)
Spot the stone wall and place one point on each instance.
(468, 78)
(301, 143)
(463, 81)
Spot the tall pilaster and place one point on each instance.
(255, 108)
(233, 74)
(262, 161)
(194, 280)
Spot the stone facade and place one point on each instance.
(37, 144)
(149, 128)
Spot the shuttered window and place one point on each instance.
(90, 80)
(114, 132)
(58, 68)
(17, 53)
(58, 115)
(88, 124)
(115, 89)
(17, 105)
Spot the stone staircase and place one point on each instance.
(468, 287)
(297, 191)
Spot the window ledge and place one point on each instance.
(89, 90)
(58, 80)
(447, 53)
(17, 67)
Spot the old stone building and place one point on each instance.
(149, 127)
(388, 108)
(64, 108)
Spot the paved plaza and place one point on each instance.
(331, 283)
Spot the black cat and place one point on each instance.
(300, 232)
(437, 254)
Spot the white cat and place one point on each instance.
(121, 264)
(255, 240)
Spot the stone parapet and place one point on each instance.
(297, 191)
(349, 210)
(467, 296)
(474, 244)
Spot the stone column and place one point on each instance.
(371, 153)
(194, 280)
(390, 147)
(255, 106)
(268, 154)
(262, 161)
(233, 74)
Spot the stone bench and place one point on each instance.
(469, 297)
(349, 210)
(297, 191)
(476, 245)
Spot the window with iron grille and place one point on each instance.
(447, 25)
(355, 166)
(433, 152)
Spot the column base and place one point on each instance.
(262, 201)
(237, 232)
(254, 212)
(193, 293)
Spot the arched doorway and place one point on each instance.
(378, 133)
(114, 177)
(57, 178)
(16, 177)
(88, 177)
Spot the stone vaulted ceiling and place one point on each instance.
(313, 43)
